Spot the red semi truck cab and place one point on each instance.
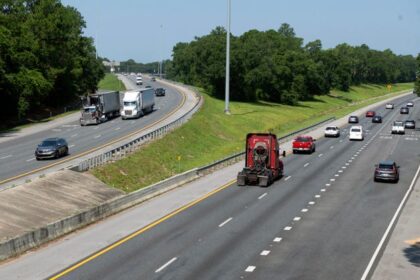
(262, 160)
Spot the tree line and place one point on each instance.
(44, 58)
(276, 66)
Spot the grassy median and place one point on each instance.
(111, 82)
(211, 135)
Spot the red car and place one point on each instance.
(370, 114)
(304, 144)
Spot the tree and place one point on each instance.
(417, 83)
(44, 57)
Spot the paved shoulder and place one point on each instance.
(401, 258)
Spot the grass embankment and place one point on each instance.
(111, 82)
(211, 135)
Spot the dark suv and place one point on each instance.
(410, 124)
(52, 148)
(353, 119)
(387, 171)
(160, 92)
(404, 110)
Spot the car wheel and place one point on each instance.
(37, 158)
(374, 179)
(57, 154)
(294, 152)
(66, 151)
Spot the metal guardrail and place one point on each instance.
(123, 150)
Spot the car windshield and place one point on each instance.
(48, 143)
(353, 118)
(331, 128)
(302, 139)
(398, 123)
(386, 166)
(129, 103)
(355, 130)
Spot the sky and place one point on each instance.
(146, 31)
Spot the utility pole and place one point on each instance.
(227, 111)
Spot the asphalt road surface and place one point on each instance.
(17, 156)
(322, 220)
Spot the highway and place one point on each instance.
(17, 156)
(322, 220)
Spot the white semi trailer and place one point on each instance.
(136, 103)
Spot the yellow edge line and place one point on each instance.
(97, 148)
(140, 231)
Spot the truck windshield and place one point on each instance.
(129, 103)
(90, 110)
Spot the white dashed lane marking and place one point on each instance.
(320, 155)
(287, 228)
(287, 178)
(97, 136)
(277, 239)
(4, 157)
(296, 219)
(306, 164)
(261, 196)
(250, 268)
(225, 222)
(265, 253)
(165, 265)
(31, 159)
(304, 210)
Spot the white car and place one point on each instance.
(389, 106)
(398, 128)
(356, 132)
(332, 131)
(410, 104)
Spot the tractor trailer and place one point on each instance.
(137, 103)
(262, 160)
(99, 107)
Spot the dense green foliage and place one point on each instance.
(111, 82)
(137, 67)
(44, 58)
(276, 66)
(417, 84)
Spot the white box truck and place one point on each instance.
(136, 103)
(99, 107)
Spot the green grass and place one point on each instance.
(111, 82)
(211, 135)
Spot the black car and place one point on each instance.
(410, 124)
(387, 171)
(153, 79)
(377, 119)
(148, 86)
(404, 110)
(160, 92)
(353, 119)
(52, 148)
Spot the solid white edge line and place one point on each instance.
(391, 225)
(225, 222)
(165, 265)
